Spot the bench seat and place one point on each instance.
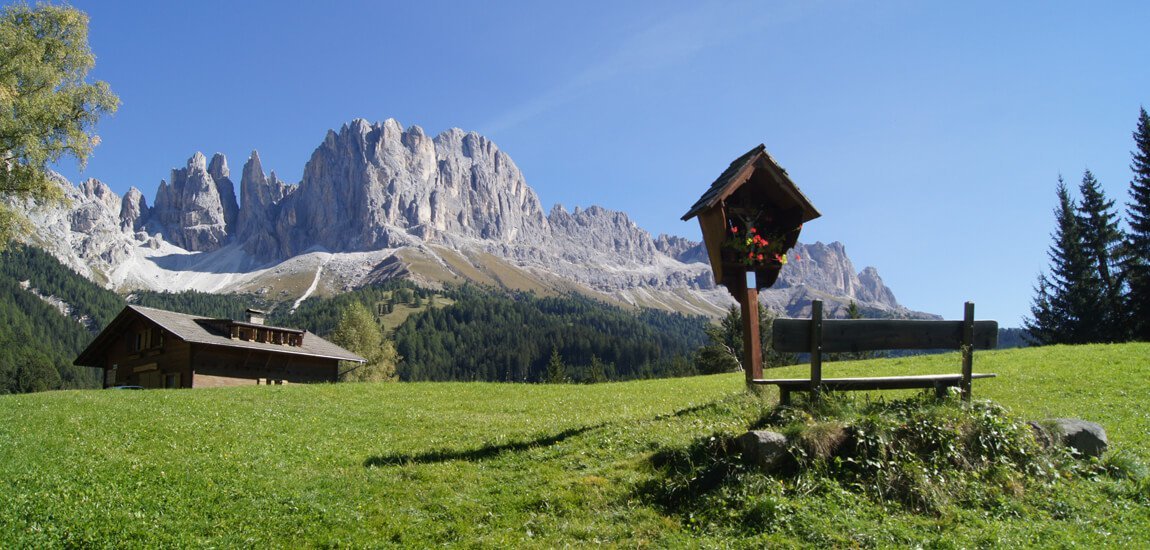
(940, 382)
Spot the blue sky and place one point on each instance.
(929, 134)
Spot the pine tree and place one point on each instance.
(1136, 253)
(556, 370)
(1102, 239)
(1073, 290)
(1044, 325)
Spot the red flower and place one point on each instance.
(797, 257)
(753, 230)
(760, 257)
(735, 230)
(751, 255)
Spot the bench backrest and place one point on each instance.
(817, 336)
(855, 335)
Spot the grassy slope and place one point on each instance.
(488, 464)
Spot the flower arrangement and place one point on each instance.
(753, 249)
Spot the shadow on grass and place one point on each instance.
(482, 453)
(491, 451)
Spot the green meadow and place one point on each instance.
(496, 465)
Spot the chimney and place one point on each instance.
(255, 316)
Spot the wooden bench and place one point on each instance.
(818, 336)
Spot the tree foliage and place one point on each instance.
(724, 349)
(509, 337)
(556, 370)
(1101, 240)
(1070, 304)
(37, 340)
(359, 332)
(1136, 250)
(47, 110)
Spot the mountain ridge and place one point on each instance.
(378, 201)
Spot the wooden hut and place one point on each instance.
(751, 216)
(154, 348)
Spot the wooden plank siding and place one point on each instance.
(137, 350)
(170, 356)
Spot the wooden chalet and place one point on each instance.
(154, 348)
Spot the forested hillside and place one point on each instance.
(512, 338)
(37, 340)
(465, 333)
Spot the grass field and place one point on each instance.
(525, 465)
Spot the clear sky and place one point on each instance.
(929, 134)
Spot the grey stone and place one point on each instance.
(763, 449)
(191, 211)
(1083, 437)
(133, 210)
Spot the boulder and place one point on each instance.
(1084, 438)
(763, 449)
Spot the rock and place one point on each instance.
(133, 210)
(191, 211)
(764, 449)
(583, 233)
(218, 170)
(379, 187)
(684, 250)
(261, 196)
(1083, 437)
(368, 182)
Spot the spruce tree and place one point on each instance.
(556, 370)
(1073, 290)
(1102, 240)
(1136, 254)
(1044, 325)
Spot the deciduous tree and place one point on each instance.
(47, 110)
(360, 333)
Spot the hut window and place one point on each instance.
(172, 380)
(143, 340)
(244, 335)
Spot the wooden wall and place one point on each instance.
(166, 361)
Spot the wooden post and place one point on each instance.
(816, 349)
(748, 297)
(967, 349)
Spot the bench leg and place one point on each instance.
(784, 396)
(940, 390)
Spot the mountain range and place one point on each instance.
(377, 201)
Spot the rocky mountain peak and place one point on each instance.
(684, 250)
(133, 210)
(389, 191)
(218, 168)
(198, 162)
(195, 210)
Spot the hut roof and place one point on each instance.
(740, 172)
(205, 330)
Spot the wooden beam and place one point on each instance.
(854, 335)
(815, 336)
(967, 349)
(752, 344)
